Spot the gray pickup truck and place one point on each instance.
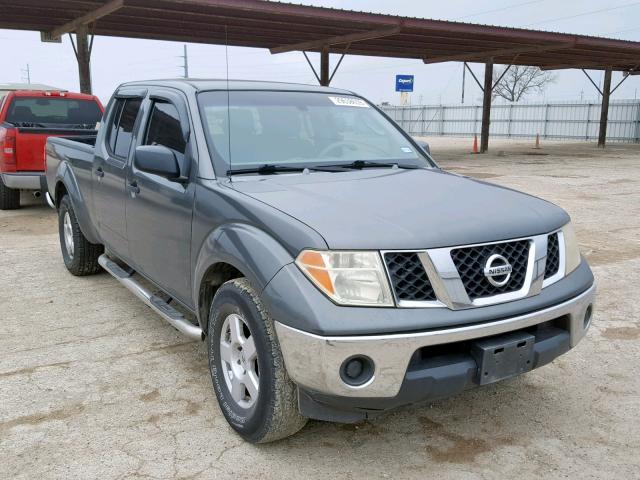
(332, 268)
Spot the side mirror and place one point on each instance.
(424, 145)
(157, 159)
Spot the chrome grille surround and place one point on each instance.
(561, 262)
(449, 287)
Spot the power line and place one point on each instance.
(508, 7)
(568, 17)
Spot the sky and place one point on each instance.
(118, 60)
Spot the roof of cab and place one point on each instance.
(203, 84)
(53, 93)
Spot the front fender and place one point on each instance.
(248, 249)
(66, 176)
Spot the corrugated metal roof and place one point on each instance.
(255, 23)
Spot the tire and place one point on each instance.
(80, 256)
(9, 197)
(273, 413)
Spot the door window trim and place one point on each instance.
(124, 98)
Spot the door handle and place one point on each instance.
(134, 188)
(99, 172)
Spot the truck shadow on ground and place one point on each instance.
(458, 430)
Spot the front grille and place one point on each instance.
(470, 262)
(553, 256)
(408, 277)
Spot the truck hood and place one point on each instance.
(403, 209)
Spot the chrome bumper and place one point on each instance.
(23, 180)
(314, 362)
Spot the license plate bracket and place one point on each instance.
(503, 357)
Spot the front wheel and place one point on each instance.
(249, 377)
(80, 256)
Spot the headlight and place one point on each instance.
(571, 249)
(348, 278)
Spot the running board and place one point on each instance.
(162, 308)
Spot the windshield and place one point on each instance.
(43, 112)
(301, 129)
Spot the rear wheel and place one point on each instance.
(9, 197)
(249, 377)
(80, 256)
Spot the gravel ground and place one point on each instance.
(93, 384)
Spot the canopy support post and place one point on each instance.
(604, 113)
(324, 66)
(486, 106)
(83, 56)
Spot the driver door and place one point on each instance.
(159, 210)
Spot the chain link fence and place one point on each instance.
(577, 121)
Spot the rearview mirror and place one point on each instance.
(157, 159)
(424, 145)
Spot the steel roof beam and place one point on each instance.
(88, 18)
(584, 66)
(483, 56)
(340, 39)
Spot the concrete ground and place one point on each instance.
(95, 385)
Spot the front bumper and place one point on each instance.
(314, 362)
(24, 180)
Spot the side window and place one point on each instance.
(113, 123)
(164, 127)
(127, 120)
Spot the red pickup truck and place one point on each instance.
(27, 118)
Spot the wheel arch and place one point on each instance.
(234, 251)
(66, 184)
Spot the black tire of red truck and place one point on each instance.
(9, 197)
(79, 254)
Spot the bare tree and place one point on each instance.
(520, 81)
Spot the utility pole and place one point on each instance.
(27, 72)
(464, 71)
(185, 65)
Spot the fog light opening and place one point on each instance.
(357, 370)
(587, 316)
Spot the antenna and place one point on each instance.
(226, 58)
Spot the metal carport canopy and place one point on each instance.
(283, 27)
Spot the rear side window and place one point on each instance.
(45, 112)
(164, 127)
(120, 135)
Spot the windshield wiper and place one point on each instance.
(360, 164)
(267, 169)
(270, 169)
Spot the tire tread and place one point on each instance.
(283, 418)
(85, 258)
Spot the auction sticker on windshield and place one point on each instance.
(349, 102)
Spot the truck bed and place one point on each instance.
(78, 151)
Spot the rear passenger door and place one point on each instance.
(110, 169)
(159, 210)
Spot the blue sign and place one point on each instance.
(404, 83)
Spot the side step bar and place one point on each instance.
(162, 308)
